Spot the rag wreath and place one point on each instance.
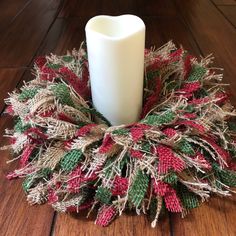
(182, 149)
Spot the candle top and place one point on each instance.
(115, 27)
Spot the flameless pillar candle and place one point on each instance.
(116, 65)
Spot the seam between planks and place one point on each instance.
(17, 14)
(222, 13)
(36, 51)
(29, 66)
(182, 18)
(17, 84)
(53, 223)
(46, 33)
(171, 224)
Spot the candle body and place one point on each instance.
(116, 65)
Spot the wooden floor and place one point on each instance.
(36, 27)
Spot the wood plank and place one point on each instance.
(90, 8)
(156, 8)
(16, 216)
(217, 217)
(213, 33)
(127, 7)
(9, 9)
(127, 224)
(224, 2)
(161, 30)
(9, 77)
(230, 13)
(67, 34)
(23, 37)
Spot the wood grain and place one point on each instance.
(89, 8)
(156, 8)
(224, 2)
(230, 13)
(213, 34)
(9, 9)
(67, 34)
(127, 224)
(127, 7)
(161, 30)
(217, 217)
(9, 77)
(64, 35)
(23, 37)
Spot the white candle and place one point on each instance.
(116, 65)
